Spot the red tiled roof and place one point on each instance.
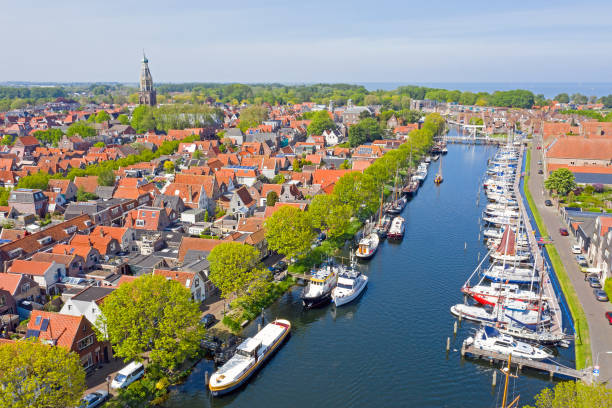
(62, 329)
(10, 282)
(29, 267)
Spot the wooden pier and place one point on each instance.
(553, 370)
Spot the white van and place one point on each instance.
(127, 375)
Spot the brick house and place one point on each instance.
(21, 287)
(73, 263)
(46, 274)
(29, 201)
(74, 333)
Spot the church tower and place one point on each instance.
(147, 94)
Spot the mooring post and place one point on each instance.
(258, 327)
(455, 328)
(494, 383)
(465, 246)
(460, 317)
(206, 377)
(448, 344)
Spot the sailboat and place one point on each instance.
(384, 221)
(439, 179)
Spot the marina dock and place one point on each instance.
(553, 370)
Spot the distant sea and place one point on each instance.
(549, 89)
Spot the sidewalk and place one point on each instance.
(600, 330)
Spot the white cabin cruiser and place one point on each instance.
(351, 284)
(490, 339)
(510, 274)
(514, 313)
(396, 231)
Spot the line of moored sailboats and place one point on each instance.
(507, 294)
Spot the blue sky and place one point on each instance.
(308, 41)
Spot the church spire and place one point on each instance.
(147, 94)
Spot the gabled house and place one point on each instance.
(29, 201)
(104, 243)
(66, 187)
(73, 333)
(195, 282)
(46, 274)
(90, 255)
(73, 263)
(21, 287)
(86, 303)
(241, 203)
(124, 236)
(150, 218)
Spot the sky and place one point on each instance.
(307, 41)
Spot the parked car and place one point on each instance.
(600, 295)
(548, 203)
(540, 163)
(576, 249)
(127, 375)
(581, 260)
(564, 232)
(94, 399)
(594, 282)
(609, 317)
(208, 320)
(540, 171)
(280, 266)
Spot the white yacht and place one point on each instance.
(515, 314)
(489, 295)
(367, 246)
(250, 355)
(351, 284)
(490, 339)
(318, 291)
(510, 274)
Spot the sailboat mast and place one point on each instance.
(506, 384)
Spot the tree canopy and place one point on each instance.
(271, 198)
(367, 130)
(326, 212)
(574, 394)
(102, 116)
(288, 231)
(80, 128)
(231, 264)
(562, 181)
(27, 367)
(320, 122)
(152, 314)
(252, 116)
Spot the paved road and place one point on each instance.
(599, 329)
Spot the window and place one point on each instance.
(15, 253)
(86, 342)
(2, 301)
(25, 287)
(70, 229)
(140, 223)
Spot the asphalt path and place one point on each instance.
(599, 328)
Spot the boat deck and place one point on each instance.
(553, 370)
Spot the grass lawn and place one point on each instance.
(583, 341)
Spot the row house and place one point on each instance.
(150, 218)
(600, 248)
(46, 274)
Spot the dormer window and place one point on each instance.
(71, 229)
(15, 253)
(45, 240)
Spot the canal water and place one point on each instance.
(388, 348)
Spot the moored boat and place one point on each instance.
(396, 231)
(490, 339)
(351, 283)
(318, 291)
(250, 355)
(367, 246)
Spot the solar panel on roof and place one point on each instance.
(44, 325)
(32, 333)
(38, 319)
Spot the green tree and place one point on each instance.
(320, 121)
(80, 128)
(562, 98)
(99, 144)
(579, 98)
(27, 367)
(288, 231)
(346, 165)
(155, 315)
(271, 198)
(279, 179)
(7, 140)
(252, 116)
(196, 155)
(106, 177)
(230, 267)
(574, 394)
(326, 212)
(83, 195)
(102, 116)
(143, 119)
(123, 119)
(38, 180)
(365, 131)
(562, 181)
(169, 167)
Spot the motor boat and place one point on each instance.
(367, 246)
(318, 291)
(490, 294)
(351, 283)
(490, 339)
(511, 313)
(510, 274)
(250, 355)
(396, 231)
